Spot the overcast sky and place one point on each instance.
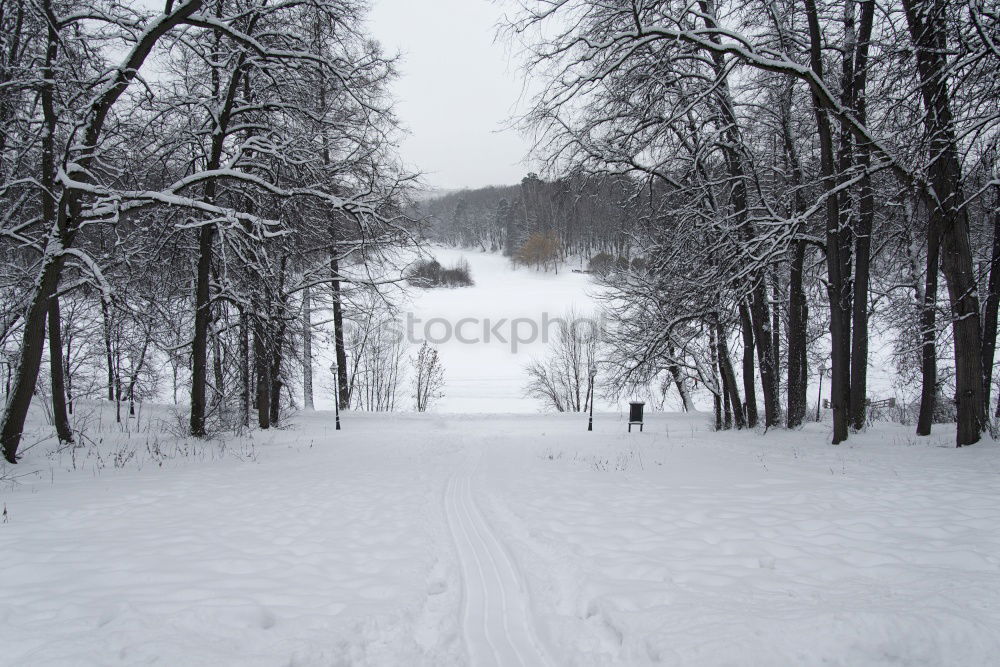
(456, 89)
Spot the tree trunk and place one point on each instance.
(727, 410)
(717, 391)
(928, 336)
(863, 232)
(761, 321)
(67, 373)
(729, 388)
(990, 308)
(219, 395)
(776, 332)
(749, 382)
(759, 309)
(859, 330)
(32, 344)
(244, 347)
(59, 414)
(343, 391)
(33, 335)
(798, 316)
(262, 365)
(927, 21)
(307, 360)
(206, 235)
(202, 318)
(275, 373)
(675, 373)
(108, 350)
(840, 325)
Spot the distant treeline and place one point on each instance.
(582, 215)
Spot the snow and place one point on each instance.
(490, 377)
(502, 539)
(505, 305)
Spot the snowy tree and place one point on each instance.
(756, 118)
(564, 380)
(428, 377)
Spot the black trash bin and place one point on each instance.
(635, 414)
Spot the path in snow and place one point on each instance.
(496, 621)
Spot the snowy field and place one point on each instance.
(488, 376)
(473, 328)
(502, 539)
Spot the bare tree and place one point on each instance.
(564, 379)
(428, 377)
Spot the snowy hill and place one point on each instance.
(502, 540)
(504, 308)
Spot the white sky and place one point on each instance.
(456, 89)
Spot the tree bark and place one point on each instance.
(798, 317)
(202, 317)
(928, 335)
(926, 20)
(219, 394)
(33, 335)
(206, 236)
(32, 344)
(840, 325)
(109, 356)
(307, 361)
(730, 390)
(798, 309)
(714, 366)
(59, 414)
(262, 365)
(759, 310)
(776, 332)
(68, 374)
(863, 231)
(749, 382)
(343, 391)
(990, 309)
(675, 374)
(275, 373)
(244, 348)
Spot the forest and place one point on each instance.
(182, 190)
(302, 363)
(190, 193)
(797, 179)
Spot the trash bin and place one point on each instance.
(635, 414)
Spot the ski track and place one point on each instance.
(496, 622)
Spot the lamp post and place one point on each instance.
(819, 398)
(336, 397)
(590, 422)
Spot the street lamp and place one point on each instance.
(590, 422)
(336, 397)
(819, 398)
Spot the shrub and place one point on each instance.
(540, 251)
(430, 273)
(601, 263)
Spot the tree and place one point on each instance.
(795, 157)
(65, 174)
(564, 379)
(428, 377)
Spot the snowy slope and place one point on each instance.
(519, 539)
(489, 376)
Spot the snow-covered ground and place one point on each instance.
(480, 331)
(486, 334)
(490, 376)
(502, 539)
